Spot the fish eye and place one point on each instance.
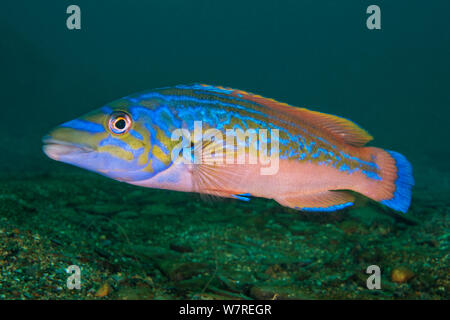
(120, 123)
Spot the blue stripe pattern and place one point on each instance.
(84, 125)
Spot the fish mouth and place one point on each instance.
(55, 149)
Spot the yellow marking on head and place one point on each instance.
(160, 155)
(78, 136)
(161, 136)
(96, 117)
(117, 152)
(143, 158)
(133, 142)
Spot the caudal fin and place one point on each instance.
(396, 179)
(404, 181)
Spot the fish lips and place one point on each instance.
(58, 150)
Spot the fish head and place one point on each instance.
(108, 141)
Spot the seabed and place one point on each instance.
(137, 243)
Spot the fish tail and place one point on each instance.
(395, 171)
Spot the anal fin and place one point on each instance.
(324, 201)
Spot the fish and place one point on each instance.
(314, 161)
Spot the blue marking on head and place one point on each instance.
(158, 165)
(154, 140)
(137, 112)
(404, 183)
(165, 120)
(105, 163)
(136, 134)
(161, 117)
(327, 209)
(84, 125)
(111, 141)
(152, 131)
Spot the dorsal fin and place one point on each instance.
(338, 127)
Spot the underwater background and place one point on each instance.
(136, 243)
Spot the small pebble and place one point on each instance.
(401, 274)
(104, 290)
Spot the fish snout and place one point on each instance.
(55, 149)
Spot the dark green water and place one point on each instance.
(394, 82)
